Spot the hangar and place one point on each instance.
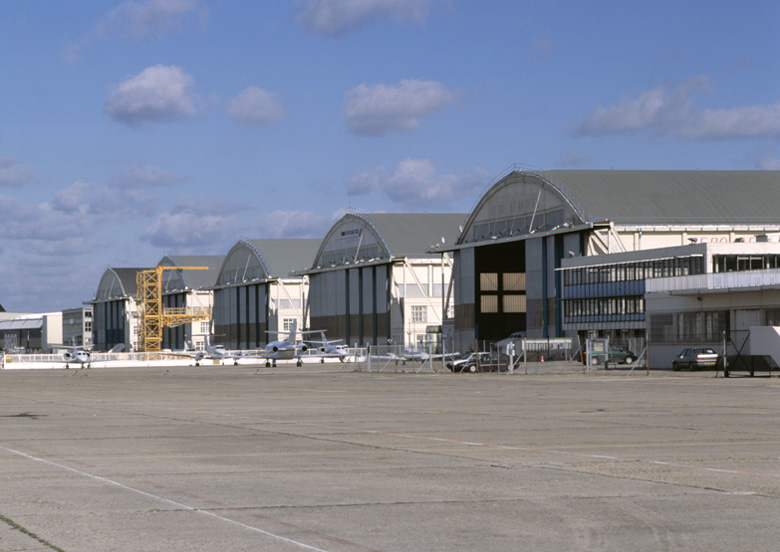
(527, 223)
(115, 308)
(378, 279)
(255, 293)
(189, 289)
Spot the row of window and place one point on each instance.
(690, 327)
(640, 270)
(604, 309)
(518, 225)
(509, 303)
(737, 263)
(510, 281)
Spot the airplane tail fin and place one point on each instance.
(293, 330)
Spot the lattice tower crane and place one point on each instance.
(153, 317)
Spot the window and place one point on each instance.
(287, 324)
(514, 281)
(489, 303)
(204, 327)
(419, 314)
(488, 281)
(514, 303)
(87, 326)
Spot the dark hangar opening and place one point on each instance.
(500, 279)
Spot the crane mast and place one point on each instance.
(153, 317)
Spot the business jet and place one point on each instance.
(285, 349)
(75, 354)
(211, 352)
(325, 348)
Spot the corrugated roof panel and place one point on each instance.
(675, 196)
(283, 256)
(413, 234)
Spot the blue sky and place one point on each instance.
(133, 130)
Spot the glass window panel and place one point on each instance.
(515, 281)
(488, 281)
(514, 303)
(489, 303)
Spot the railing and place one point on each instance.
(715, 281)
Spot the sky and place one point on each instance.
(138, 129)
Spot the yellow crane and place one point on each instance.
(153, 317)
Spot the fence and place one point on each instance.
(397, 358)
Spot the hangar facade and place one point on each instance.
(189, 289)
(255, 292)
(114, 309)
(527, 223)
(374, 279)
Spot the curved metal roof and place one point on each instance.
(400, 234)
(196, 279)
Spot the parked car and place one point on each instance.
(480, 362)
(616, 355)
(693, 358)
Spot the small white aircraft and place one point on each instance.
(325, 348)
(75, 354)
(285, 349)
(211, 352)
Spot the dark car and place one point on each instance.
(481, 362)
(693, 358)
(617, 355)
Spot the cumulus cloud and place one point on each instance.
(157, 93)
(293, 224)
(769, 164)
(82, 199)
(146, 175)
(140, 21)
(14, 174)
(339, 17)
(415, 183)
(195, 224)
(378, 109)
(255, 106)
(671, 110)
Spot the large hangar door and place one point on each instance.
(500, 296)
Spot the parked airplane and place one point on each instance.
(285, 349)
(211, 352)
(326, 348)
(75, 354)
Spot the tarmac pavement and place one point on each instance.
(245, 458)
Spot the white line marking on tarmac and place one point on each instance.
(163, 499)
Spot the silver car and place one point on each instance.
(693, 358)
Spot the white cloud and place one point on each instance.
(378, 109)
(157, 93)
(414, 183)
(103, 203)
(753, 121)
(146, 175)
(293, 224)
(197, 224)
(666, 110)
(339, 17)
(255, 106)
(14, 174)
(769, 163)
(142, 20)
